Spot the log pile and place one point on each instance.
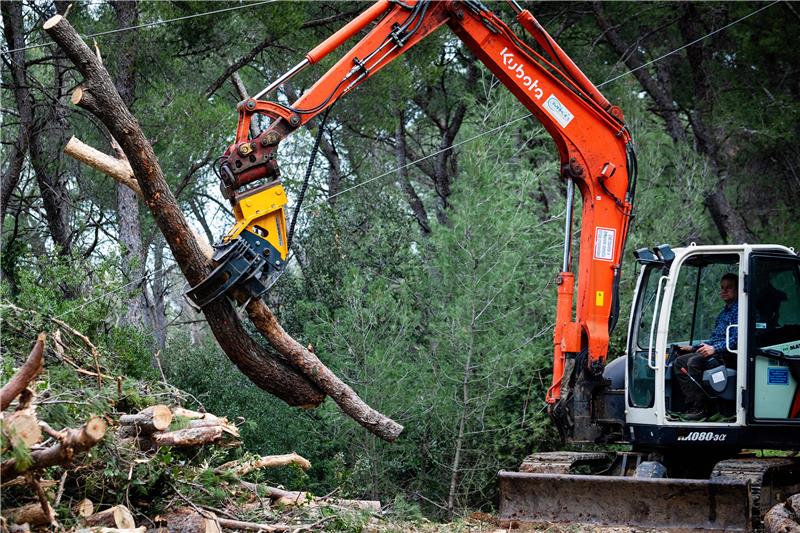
(149, 429)
(135, 437)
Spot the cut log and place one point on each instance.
(188, 413)
(154, 418)
(209, 422)
(200, 420)
(118, 516)
(189, 437)
(22, 428)
(361, 505)
(186, 520)
(241, 468)
(296, 499)
(83, 508)
(74, 441)
(32, 514)
(29, 370)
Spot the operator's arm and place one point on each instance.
(717, 342)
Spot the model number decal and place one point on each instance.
(704, 436)
(519, 71)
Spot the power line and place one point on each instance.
(109, 293)
(152, 24)
(527, 115)
(691, 43)
(375, 178)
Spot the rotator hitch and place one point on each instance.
(255, 248)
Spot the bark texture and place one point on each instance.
(130, 231)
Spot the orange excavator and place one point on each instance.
(677, 473)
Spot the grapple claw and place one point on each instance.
(245, 263)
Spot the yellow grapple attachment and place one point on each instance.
(254, 248)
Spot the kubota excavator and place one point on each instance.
(678, 473)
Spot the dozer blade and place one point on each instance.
(671, 504)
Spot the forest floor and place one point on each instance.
(486, 523)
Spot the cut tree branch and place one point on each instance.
(302, 381)
(74, 441)
(29, 370)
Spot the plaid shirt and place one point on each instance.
(729, 315)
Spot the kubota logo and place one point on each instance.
(519, 71)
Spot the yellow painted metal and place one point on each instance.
(262, 211)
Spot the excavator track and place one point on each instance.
(562, 462)
(772, 480)
(548, 490)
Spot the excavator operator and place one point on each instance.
(690, 366)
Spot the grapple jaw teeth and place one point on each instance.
(244, 263)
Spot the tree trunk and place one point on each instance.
(414, 201)
(158, 291)
(15, 40)
(731, 225)
(661, 95)
(99, 96)
(130, 232)
(264, 368)
(44, 150)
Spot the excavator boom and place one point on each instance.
(595, 149)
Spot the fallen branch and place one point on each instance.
(92, 347)
(241, 468)
(74, 441)
(29, 370)
(189, 437)
(299, 384)
(31, 514)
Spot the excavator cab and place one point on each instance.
(679, 473)
(749, 387)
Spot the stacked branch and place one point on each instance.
(296, 375)
(148, 429)
(71, 442)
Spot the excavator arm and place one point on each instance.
(594, 146)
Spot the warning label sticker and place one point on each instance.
(604, 240)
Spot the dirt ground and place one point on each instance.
(485, 523)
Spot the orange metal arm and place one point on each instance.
(593, 143)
